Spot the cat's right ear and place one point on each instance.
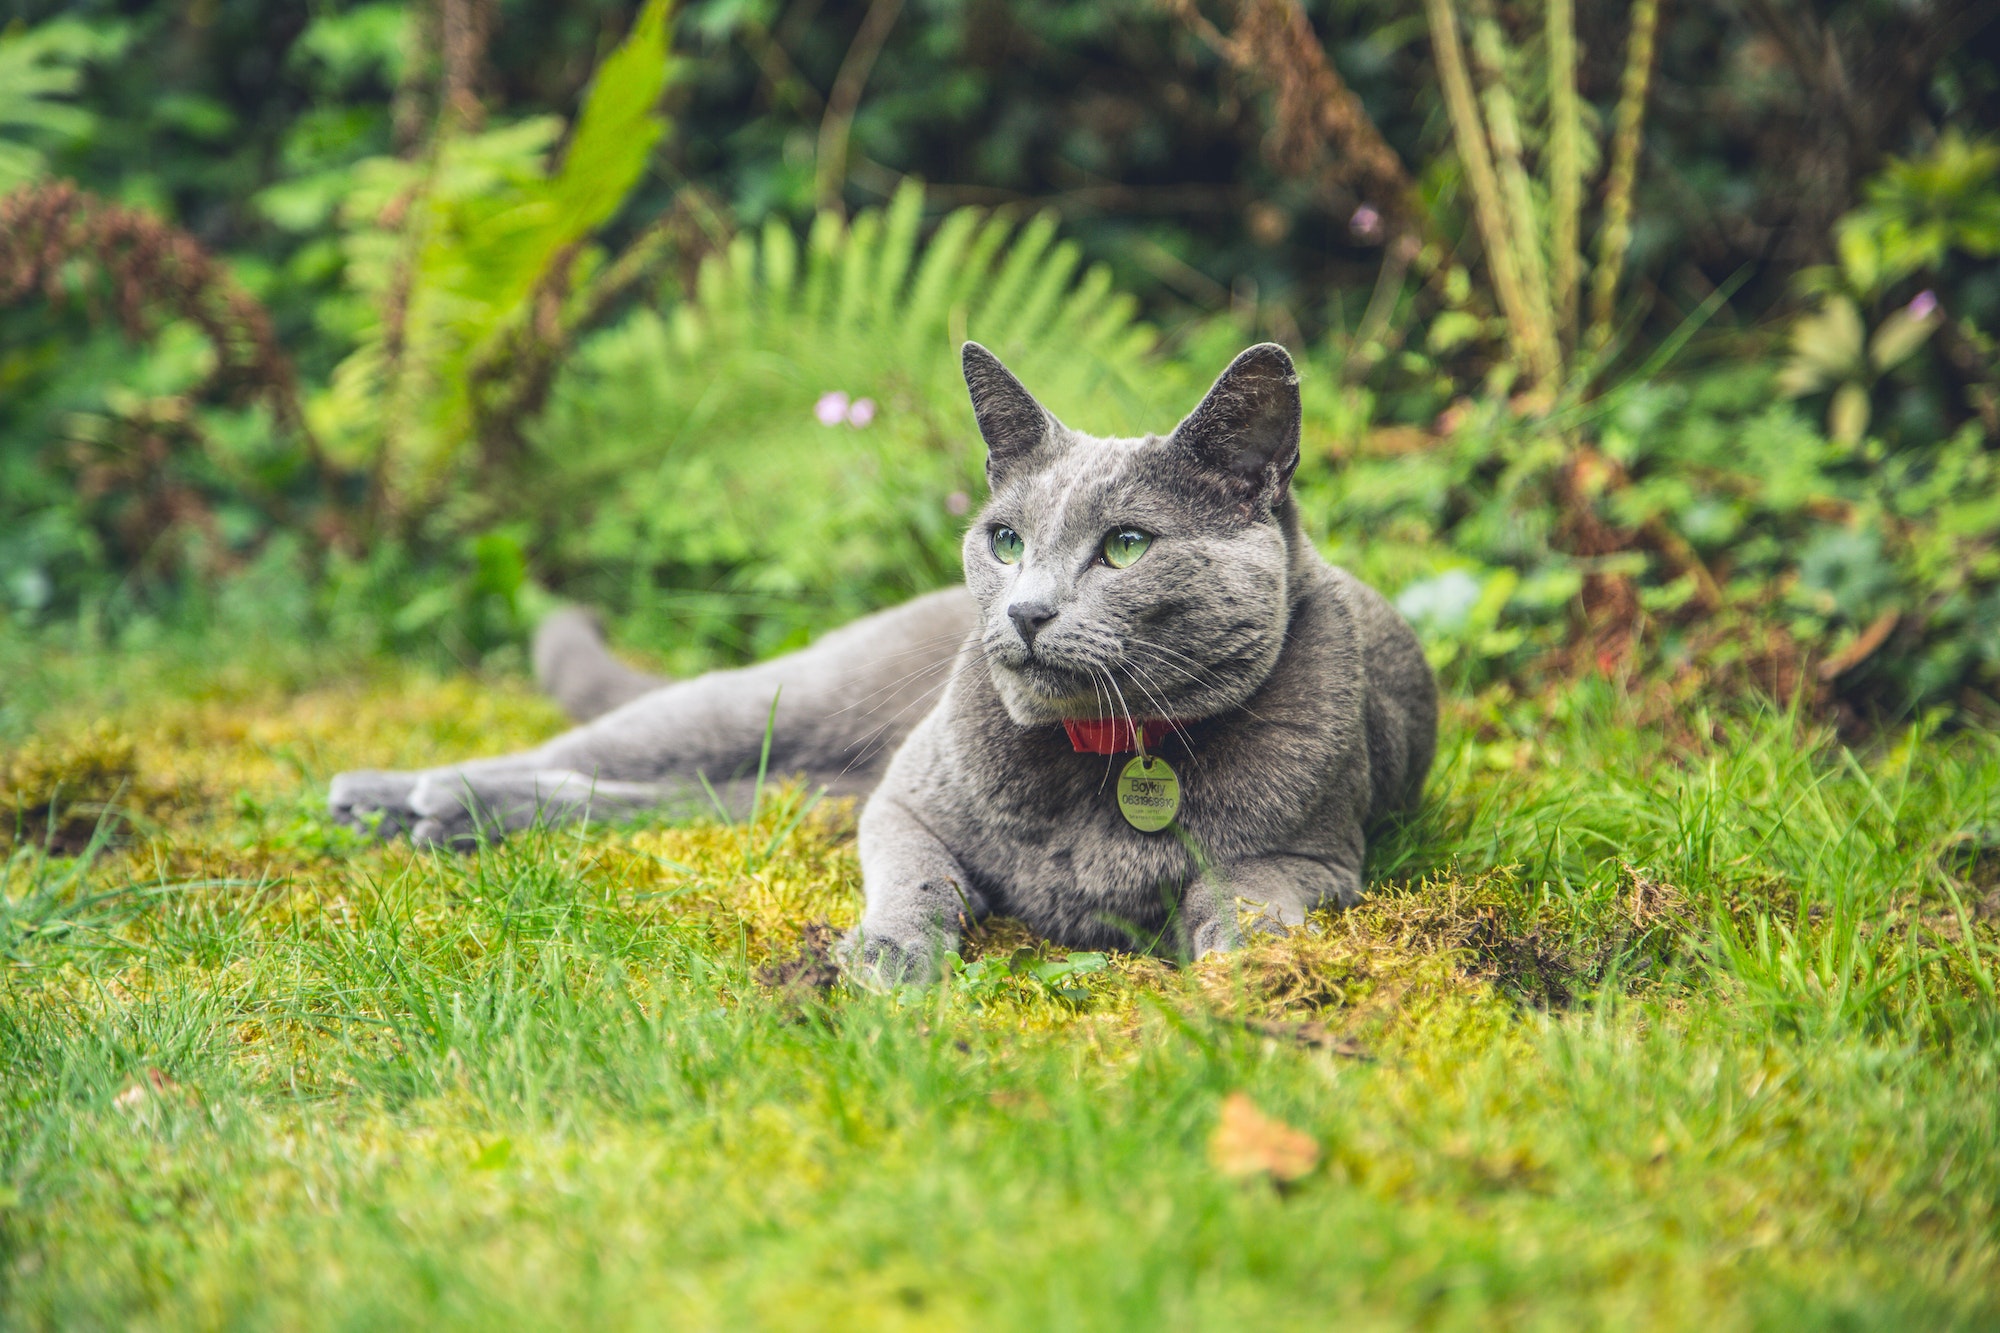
(1012, 423)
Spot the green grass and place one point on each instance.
(1657, 1019)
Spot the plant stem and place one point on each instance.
(1469, 134)
(830, 169)
(1616, 237)
(1504, 128)
(1374, 326)
(1565, 166)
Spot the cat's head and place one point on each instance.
(1134, 577)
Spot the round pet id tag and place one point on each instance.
(1149, 793)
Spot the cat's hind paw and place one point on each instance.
(373, 801)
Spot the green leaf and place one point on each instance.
(1922, 209)
(1452, 328)
(1827, 347)
(473, 235)
(1860, 256)
(616, 130)
(1847, 414)
(1900, 335)
(39, 67)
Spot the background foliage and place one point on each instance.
(1635, 339)
(1649, 363)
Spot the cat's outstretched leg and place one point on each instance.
(573, 666)
(461, 816)
(843, 705)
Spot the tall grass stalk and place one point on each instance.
(1469, 134)
(1565, 172)
(1615, 238)
(1533, 244)
(1503, 125)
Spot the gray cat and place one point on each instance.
(1149, 594)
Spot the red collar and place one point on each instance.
(1113, 735)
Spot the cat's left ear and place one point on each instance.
(1246, 432)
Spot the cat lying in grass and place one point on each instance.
(1145, 597)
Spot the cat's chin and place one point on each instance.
(1036, 695)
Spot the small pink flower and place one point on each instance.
(831, 409)
(958, 504)
(1366, 224)
(861, 412)
(1923, 305)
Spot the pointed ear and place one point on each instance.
(1246, 432)
(1012, 423)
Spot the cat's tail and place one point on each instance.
(575, 668)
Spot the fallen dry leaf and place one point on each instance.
(1246, 1142)
(139, 1091)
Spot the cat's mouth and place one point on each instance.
(1053, 683)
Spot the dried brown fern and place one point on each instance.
(1318, 125)
(64, 243)
(126, 265)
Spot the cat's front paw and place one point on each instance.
(1219, 934)
(372, 801)
(877, 962)
(1213, 936)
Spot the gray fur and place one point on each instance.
(1308, 710)
(1304, 706)
(573, 668)
(844, 704)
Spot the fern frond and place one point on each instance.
(453, 252)
(1024, 261)
(824, 244)
(39, 68)
(856, 273)
(717, 397)
(781, 264)
(953, 249)
(901, 225)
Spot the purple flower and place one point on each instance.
(1366, 224)
(1923, 305)
(958, 504)
(831, 409)
(861, 412)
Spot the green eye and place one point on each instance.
(1125, 546)
(1007, 546)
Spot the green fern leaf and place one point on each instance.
(686, 449)
(39, 67)
(477, 229)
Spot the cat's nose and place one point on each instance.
(1029, 617)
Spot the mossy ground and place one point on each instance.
(1656, 1019)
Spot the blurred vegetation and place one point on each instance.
(1637, 339)
(1649, 363)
